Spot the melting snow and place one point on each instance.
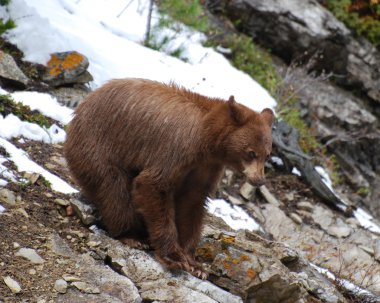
(23, 163)
(234, 215)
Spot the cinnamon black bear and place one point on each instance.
(148, 154)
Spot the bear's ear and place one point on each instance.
(236, 114)
(268, 116)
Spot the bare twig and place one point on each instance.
(123, 10)
(148, 25)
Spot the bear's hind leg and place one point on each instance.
(113, 199)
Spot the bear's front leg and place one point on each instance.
(154, 202)
(190, 198)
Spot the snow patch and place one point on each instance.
(278, 161)
(111, 42)
(296, 172)
(5, 172)
(45, 104)
(234, 215)
(11, 126)
(23, 163)
(345, 283)
(365, 220)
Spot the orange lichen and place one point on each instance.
(72, 60)
(226, 265)
(244, 258)
(205, 253)
(54, 65)
(228, 239)
(57, 65)
(251, 273)
(235, 261)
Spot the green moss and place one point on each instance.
(363, 17)
(44, 181)
(189, 12)
(9, 24)
(363, 191)
(5, 2)
(162, 44)
(4, 153)
(24, 184)
(9, 106)
(334, 169)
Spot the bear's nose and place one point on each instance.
(258, 182)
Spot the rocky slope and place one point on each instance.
(334, 73)
(51, 250)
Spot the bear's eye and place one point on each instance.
(252, 155)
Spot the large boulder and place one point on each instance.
(303, 30)
(67, 68)
(10, 73)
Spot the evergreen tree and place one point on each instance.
(6, 25)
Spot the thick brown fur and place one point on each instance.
(148, 154)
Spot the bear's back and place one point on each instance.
(139, 121)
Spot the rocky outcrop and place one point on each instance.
(10, 73)
(303, 30)
(67, 68)
(316, 233)
(69, 96)
(348, 128)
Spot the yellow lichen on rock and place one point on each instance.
(57, 64)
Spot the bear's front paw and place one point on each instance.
(134, 243)
(174, 260)
(196, 268)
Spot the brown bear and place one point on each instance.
(148, 154)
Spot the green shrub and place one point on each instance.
(9, 24)
(9, 106)
(189, 12)
(363, 17)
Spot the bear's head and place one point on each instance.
(250, 143)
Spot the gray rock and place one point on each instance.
(376, 249)
(304, 205)
(234, 200)
(7, 196)
(10, 71)
(339, 231)
(268, 196)
(85, 212)
(61, 202)
(324, 217)
(367, 249)
(69, 278)
(69, 96)
(59, 246)
(30, 254)
(86, 287)
(60, 286)
(67, 68)
(353, 222)
(296, 29)
(12, 284)
(172, 291)
(32, 177)
(247, 190)
(277, 222)
(296, 218)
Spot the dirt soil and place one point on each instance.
(30, 224)
(36, 217)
